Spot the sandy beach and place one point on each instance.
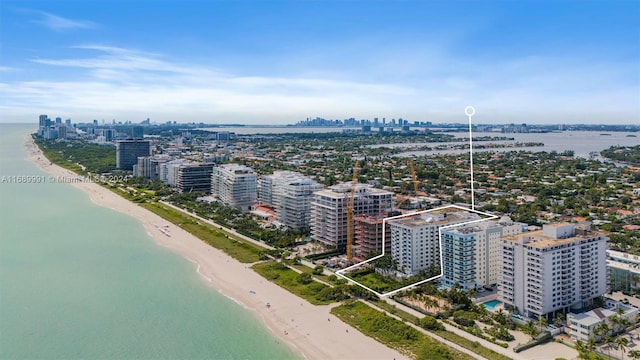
(310, 330)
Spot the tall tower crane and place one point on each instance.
(349, 209)
(414, 177)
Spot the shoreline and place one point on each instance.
(308, 330)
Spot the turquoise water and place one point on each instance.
(81, 281)
(490, 305)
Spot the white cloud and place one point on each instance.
(128, 84)
(59, 23)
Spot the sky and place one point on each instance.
(279, 62)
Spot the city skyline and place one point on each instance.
(280, 62)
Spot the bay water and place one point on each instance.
(79, 281)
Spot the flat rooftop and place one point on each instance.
(537, 239)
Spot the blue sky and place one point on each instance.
(277, 62)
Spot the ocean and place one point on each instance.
(79, 281)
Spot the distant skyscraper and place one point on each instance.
(128, 151)
(43, 120)
(137, 132)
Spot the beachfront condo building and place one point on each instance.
(471, 254)
(169, 171)
(290, 194)
(194, 178)
(559, 268)
(329, 210)
(415, 240)
(235, 185)
(368, 235)
(128, 152)
(149, 166)
(623, 270)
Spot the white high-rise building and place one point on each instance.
(169, 171)
(560, 267)
(472, 254)
(235, 185)
(415, 240)
(290, 193)
(329, 210)
(149, 166)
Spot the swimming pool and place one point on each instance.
(490, 305)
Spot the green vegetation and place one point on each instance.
(431, 324)
(233, 218)
(471, 345)
(239, 250)
(625, 154)
(394, 333)
(382, 283)
(95, 158)
(300, 284)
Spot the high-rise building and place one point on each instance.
(137, 132)
(169, 171)
(235, 185)
(128, 151)
(623, 270)
(290, 194)
(329, 206)
(415, 240)
(368, 235)
(149, 166)
(194, 178)
(471, 254)
(559, 268)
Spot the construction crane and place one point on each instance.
(414, 177)
(349, 209)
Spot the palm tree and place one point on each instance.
(600, 330)
(581, 349)
(542, 322)
(634, 354)
(621, 343)
(559, 319)
(608, 340)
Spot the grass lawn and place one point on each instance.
(472, 345)
(394, 333)
(288, 279)
(239, 250)
(375, 281)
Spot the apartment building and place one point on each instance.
(368, 235)
(194, 178)
(235, 185)
(329, 210)
(128, 151)
(149, 166)
(415, 240)
(581, 326)
(472, 255)
(290, 194)
(559, 268)
(623, 270)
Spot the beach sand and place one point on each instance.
(308, 329)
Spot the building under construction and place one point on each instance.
(329, 210)
(368, 235)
